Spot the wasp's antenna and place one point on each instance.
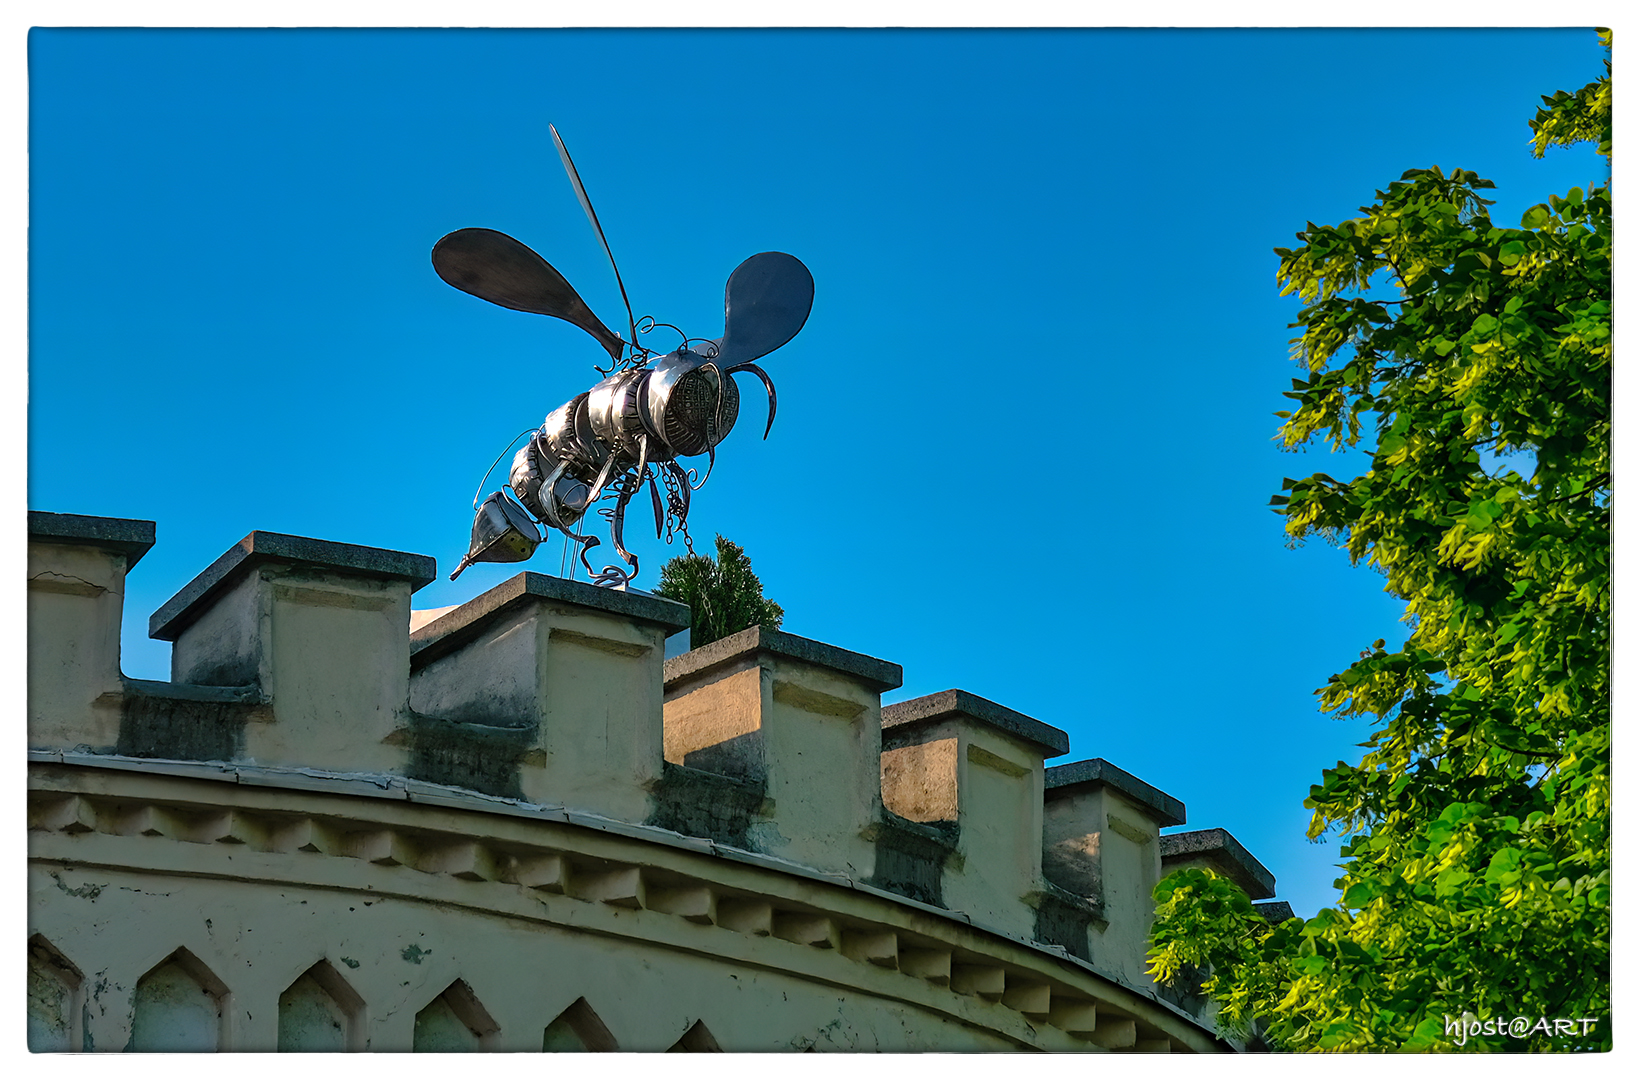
(768, 384)
(592, 216)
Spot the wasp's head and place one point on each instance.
(700, 411)
(691, 403)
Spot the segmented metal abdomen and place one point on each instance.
(530, 469)
(567, 436)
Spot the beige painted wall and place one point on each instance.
(259, 879)
(79, 593)
(309, 884)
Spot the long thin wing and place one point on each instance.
(493, 266)
(766, 302)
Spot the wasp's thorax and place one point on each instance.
(683, 405)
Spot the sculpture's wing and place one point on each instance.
(766, 302)
(493, 266)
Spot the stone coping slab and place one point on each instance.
(132, 537)
(1167, 810)
(449, 631)
(1276, 911)
(1224, 849)
(932, 708)
(217, 695)
(179, 611)
(879, 675)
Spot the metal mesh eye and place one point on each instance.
(692, 425)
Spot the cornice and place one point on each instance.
(435, 844)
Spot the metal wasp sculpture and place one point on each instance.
(649, 410)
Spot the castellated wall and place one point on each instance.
(520, 827)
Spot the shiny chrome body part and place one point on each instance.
(648, 411)
(501, 532)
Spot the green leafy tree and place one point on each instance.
(1476, 873)
(725, 595)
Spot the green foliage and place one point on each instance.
(1584, 116)
(1476, 877)
(725, 596)
(1206, 922)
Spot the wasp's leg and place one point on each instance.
(659, 511)
(641, 474)
(549, 505)
(603, 478)
(768, 384)
(642, 457)
(549, 510)
(617, 525)
(587, 544)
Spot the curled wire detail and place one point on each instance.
(647, 324)
(478, 496)
(639, 355)
(612, 577)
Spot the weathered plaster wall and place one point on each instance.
(521, 827)
(397, 956)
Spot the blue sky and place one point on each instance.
(1024, 442)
